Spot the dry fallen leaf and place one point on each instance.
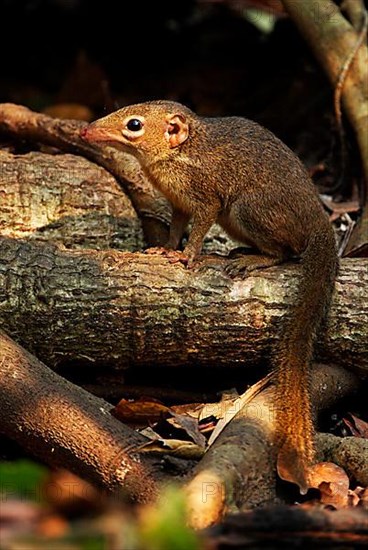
(218, 409)
(332, 482)
(358, 427)
(140, 412)
(174, 447)
(190, 426)
(231, 407)
(191, 409)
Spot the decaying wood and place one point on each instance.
(18, 122)
(239, 469)
(122, 309)
(66, 426)
(66, 199)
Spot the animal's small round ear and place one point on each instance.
(177, 130)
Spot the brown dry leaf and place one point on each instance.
(218, 410)
(207, 427)
(174, 447)
(191, 409)
(332, 482)
(358, 497)
(231, 407)
(140, 412)
(190, 426)
(148, 432)
(358, 427)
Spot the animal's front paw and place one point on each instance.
(156, 251)
(173, 256)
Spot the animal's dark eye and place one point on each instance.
(134, 125)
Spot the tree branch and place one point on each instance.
(152, 209)
(332, 39)
(101, 308)
(66, 199)
(66, 426)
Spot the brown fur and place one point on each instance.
(233, 171)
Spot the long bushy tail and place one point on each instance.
(293, 362)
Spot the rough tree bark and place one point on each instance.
(20, 123)
(65, 199)
(129, 309)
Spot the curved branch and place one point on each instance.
(332, 38)
(68, 427)
(22, 123)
